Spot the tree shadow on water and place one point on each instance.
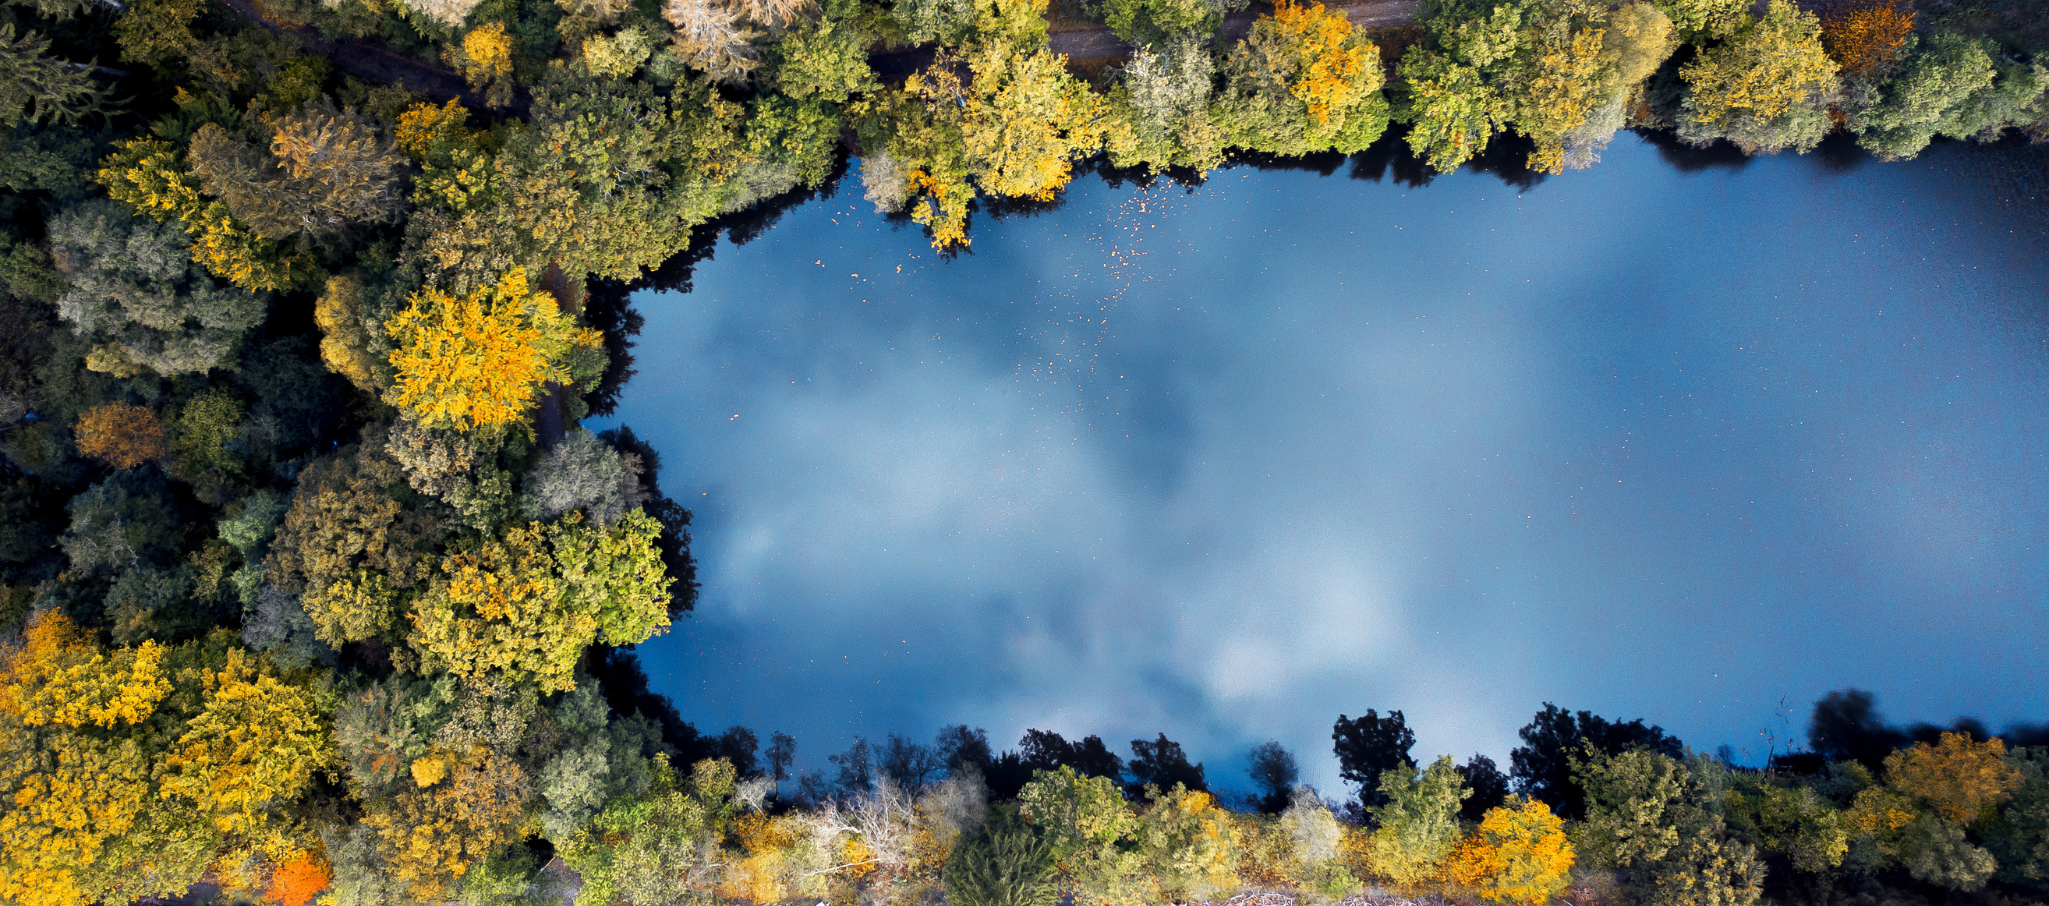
(1689, 158)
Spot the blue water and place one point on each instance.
(1224, 462)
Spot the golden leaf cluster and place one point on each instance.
(481, 359)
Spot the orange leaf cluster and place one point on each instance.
(1866, 37)
(122, 435)
(1519, 855)
(1959, 777)
(1323, 37)
(297, 882)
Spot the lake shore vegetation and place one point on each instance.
(312, 589)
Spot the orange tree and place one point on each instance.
(1866, 38)
(1518, 855)
(481, 359)
(122, 435)
(1958, 777)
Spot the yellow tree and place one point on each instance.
(1960, 778)
(1519, 855)
(1569, 76)
(67, 788)
(255, 743)
(482, 359)
(1331, 71)
(1774, 63)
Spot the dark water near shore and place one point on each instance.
(1653, 440)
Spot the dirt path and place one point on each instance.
(549, 423)
(373, 62)
(1098, 43)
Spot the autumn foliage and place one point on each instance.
(1329, 76)
(481, 359)
(1866, 38)
(123, 435)
(1519, 855)
(1958, 777)
(298, 881)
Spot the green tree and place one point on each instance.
(1650, 815)
(1005, 863)
(1948, 85)
(1149, 23)
(825, 58)
(1417, 822)
(1455, 112)
(1766, 88)
(1303, 81)
(134, 289)
(349, 548)
(1162, 102)
(528, 604)
(36, 87)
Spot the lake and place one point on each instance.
(1673, 437)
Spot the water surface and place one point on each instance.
(1696, 445)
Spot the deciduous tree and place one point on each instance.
(1961, 779)
(1766, 87)
(1519, 855)
(122, 435)
(481, 359)
(528, 604)
(1417, 821)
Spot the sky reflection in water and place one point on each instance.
(1227, 463)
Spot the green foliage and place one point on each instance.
(826, 59)
(1301, 82)
(134, 289)
(1418, 820)
(1766, 89)
(1005, 863)
(527, 605)
(350, 548)
(1933, 850)
(1949, 85)
(1793, 822)
(1162, 99)
(659, 846)
(1150, 23)
(1653, 816)
(36, 87)
(1455, 114)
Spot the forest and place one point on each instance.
(312, 589)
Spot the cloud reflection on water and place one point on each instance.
(1227, 464)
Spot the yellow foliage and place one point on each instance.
(256, 742)
(480, 360)
(1879, 811)
(70, 794)
(529, 604)
(489, 50)
(429, 769)
(1765, 69)
(434, 836)
(423, 126)
(1571, 78)
(145, 174)
(1960, 778)
(1330, 80)
(1519, 855)
(763, 873)
(57, 678)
